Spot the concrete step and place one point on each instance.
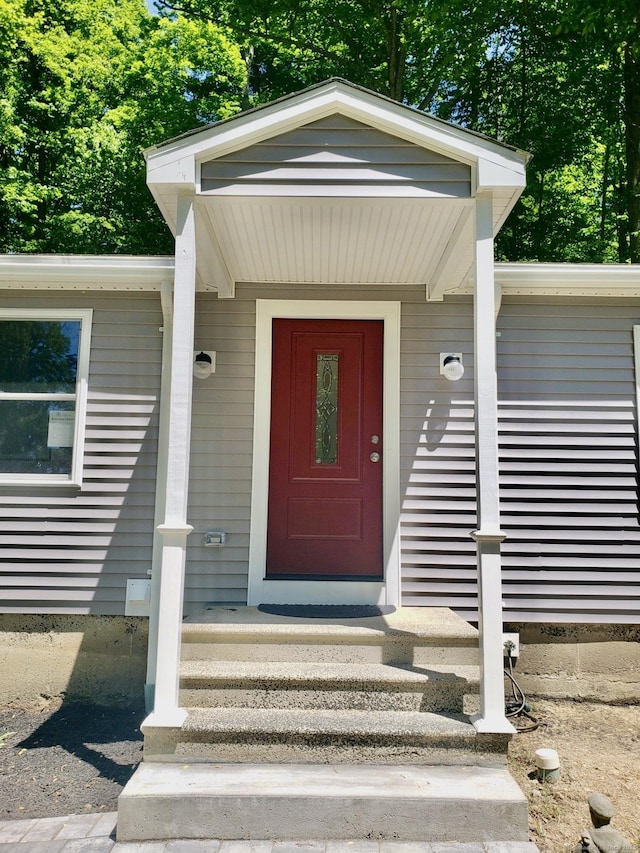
(324, 736)
(380, 687)
(419, 636)
(298, 802)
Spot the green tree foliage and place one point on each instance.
(400, 48)
(86, 87)
(556, 95)
(558, 79)
(615, 27)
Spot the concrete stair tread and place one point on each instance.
(327, 722)
(250, 673)
(416, 623)
(341, 780)
(399, 802)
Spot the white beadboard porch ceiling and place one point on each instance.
(334, 240)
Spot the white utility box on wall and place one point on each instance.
(138, 597)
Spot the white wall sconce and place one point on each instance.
(204, 364)
(451, 366)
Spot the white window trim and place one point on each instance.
(262, 591)
(85, 316)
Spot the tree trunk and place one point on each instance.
(632, 144)
(524, 95)
(396, 54)
(539, 229)
(603, 194)
(248, 54)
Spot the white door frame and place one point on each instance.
(387, 591)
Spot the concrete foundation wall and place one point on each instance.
(102, 659)
(600, 662)
(45, 659)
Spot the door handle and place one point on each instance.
(374, 457)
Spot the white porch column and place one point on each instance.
(174, 528)
(488, 536)
(166, 298)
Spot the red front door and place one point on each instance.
(325, 468)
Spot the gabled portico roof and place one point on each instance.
(335, 185)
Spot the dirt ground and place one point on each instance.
(599, 750)
(77, 758)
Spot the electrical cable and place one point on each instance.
(517, 707)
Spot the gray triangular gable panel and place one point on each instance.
(336, 151)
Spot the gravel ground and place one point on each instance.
(77, 758)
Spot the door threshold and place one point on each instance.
(316, 577)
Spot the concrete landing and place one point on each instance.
(418, 621)
(272, 801)
(418, 636)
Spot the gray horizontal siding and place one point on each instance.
(67, 550)
(568, 468)
(567, 457)
(438, 510)
(569, 462)
(339, 152)
(221, 453)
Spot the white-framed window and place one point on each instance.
(44, 366)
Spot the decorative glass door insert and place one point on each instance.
(327, 408)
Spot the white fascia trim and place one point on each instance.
(169, 163)
(540, 279)
(260, 590)
(84, 272)
(534, 279)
